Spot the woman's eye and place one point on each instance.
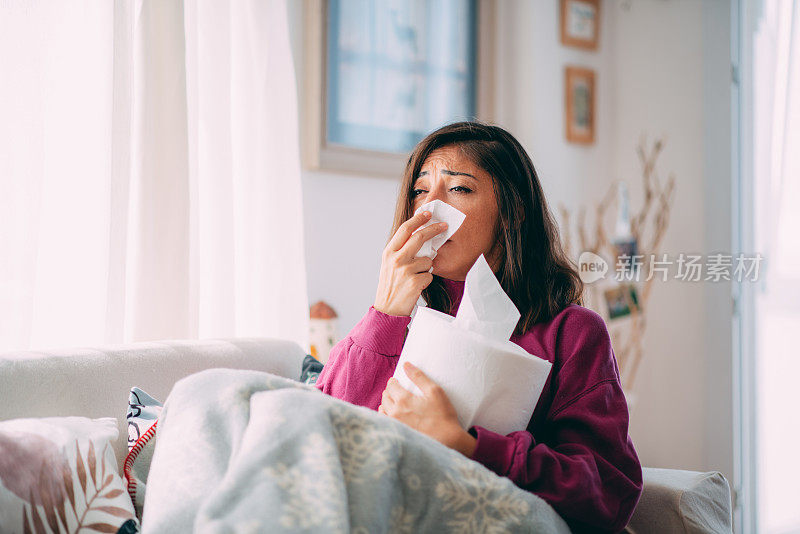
(457, 189)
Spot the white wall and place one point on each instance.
(662, 68)
(718, 235)
(672, 75)
(659, 77)
(348, 219)
(529, 101)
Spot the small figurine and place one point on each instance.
(322, 335)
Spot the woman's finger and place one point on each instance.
(395, 391)
(406, 229)
(420, 265)
(386, 399)
(415, 242)
(420, 379)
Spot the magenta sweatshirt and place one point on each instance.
(575, 454)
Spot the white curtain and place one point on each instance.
(776, 167)
(149, 173)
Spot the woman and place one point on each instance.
(575, 453)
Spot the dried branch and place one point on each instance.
(601, 237)
(581, 230)
(566, 237)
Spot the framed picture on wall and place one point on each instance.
(621, 301)
(580, 23)
(381, 75)
(579, 100)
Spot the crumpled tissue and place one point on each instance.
(491, 381)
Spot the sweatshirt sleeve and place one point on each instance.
(584, 463)
(360, 365)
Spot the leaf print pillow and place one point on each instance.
(59, 474)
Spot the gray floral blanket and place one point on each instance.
(246, 451)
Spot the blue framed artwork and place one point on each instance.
(397, 69)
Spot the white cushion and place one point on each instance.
(682, 501)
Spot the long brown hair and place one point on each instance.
(534, 271)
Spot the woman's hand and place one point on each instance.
(403, 277)
(432, 414)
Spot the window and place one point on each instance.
(384, 74)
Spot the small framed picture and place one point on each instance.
(626, 250)
(580, 23)
(580, 103)
(621, 301)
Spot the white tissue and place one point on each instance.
(485, 308)
(491, 381)
(440, 212)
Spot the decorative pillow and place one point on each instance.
(310, 370)
(143, 413)
(61, 473)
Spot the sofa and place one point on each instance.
(95, 382)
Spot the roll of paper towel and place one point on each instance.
(491, 382)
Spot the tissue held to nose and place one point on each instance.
(404, 274)
(490, 380)
(440, 212)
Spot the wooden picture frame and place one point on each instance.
(579, 100)
(580, 23)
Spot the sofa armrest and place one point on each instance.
(682, 501)
(95, 382)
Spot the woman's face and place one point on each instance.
(447, 175)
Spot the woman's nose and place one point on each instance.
(437, 192)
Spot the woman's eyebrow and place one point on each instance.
(457, 173)
(451, 173)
